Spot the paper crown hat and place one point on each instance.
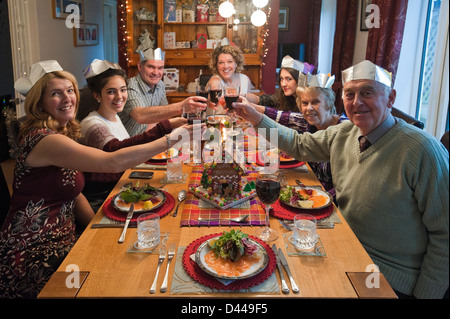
(289, 62)
(98, 67)
(38, 70)
(366, 70)
(151, 54)
(320, 80)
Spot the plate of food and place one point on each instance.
(285, 157)
(233, 255)
(145, 199)
(163, 156)
(305, 197)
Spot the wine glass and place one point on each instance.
(231, 94)
(268, 189)
(215, 92)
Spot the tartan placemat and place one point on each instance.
(195, 208)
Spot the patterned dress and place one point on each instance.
(39, 230)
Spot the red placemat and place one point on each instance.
(205, 279)
(283, 211)
(287, 164)
(111, 212)
(156, 162)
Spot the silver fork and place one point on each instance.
(162, 256)
(169, 259)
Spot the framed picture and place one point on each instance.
(364, 14)
(60, 10)
(283, 22)
(86, 35)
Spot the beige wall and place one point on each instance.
(56, 40)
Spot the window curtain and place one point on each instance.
(384, 43)
(344, 44)
(312, 47)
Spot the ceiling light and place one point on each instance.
(226, 9)
(258, 18)
(260, 3)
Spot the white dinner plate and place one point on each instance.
(124, 207)
(254, 269)
(318, 192)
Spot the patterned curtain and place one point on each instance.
(344, 44)
(384, 43)
(312, 47)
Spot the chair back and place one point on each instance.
(5, 197)
(407, 118)
(444, 140)
(87, 104)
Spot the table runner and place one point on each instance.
(195, 208)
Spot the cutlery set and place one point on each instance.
(289, 224)
(281, 260)
(161, 258)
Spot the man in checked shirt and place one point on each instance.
(147, 102)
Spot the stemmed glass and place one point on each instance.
(231, 94)
(268, 189)
(215, 92)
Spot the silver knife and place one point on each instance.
(284, 286)
(124, 231)
(286, 266)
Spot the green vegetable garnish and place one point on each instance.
(135, 194)
(230, 245)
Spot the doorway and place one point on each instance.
(110, 41)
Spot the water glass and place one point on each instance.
(148, 230)
(305, 236)
(174, 169)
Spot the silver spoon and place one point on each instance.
(181, 197)
(236, 219)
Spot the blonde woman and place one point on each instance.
(38, 231)
(226, 64)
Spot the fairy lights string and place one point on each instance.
(122, 10)
(265, 36)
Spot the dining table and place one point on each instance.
(98, 266)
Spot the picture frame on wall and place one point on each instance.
(283, 22)
(60, 8)
(364, 15)
(86, 35)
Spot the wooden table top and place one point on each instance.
(109, 271)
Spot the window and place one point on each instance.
(432, 99)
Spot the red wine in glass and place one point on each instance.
(230, 99)
(203, 94)
(214, 95)
(268, 190)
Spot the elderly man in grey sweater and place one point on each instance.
(395, 193)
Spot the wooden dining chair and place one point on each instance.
(444, 140)
(4, 197)
(87, 104)
(407, 118)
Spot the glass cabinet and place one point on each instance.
(188, 30)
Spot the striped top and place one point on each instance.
(141, 95)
